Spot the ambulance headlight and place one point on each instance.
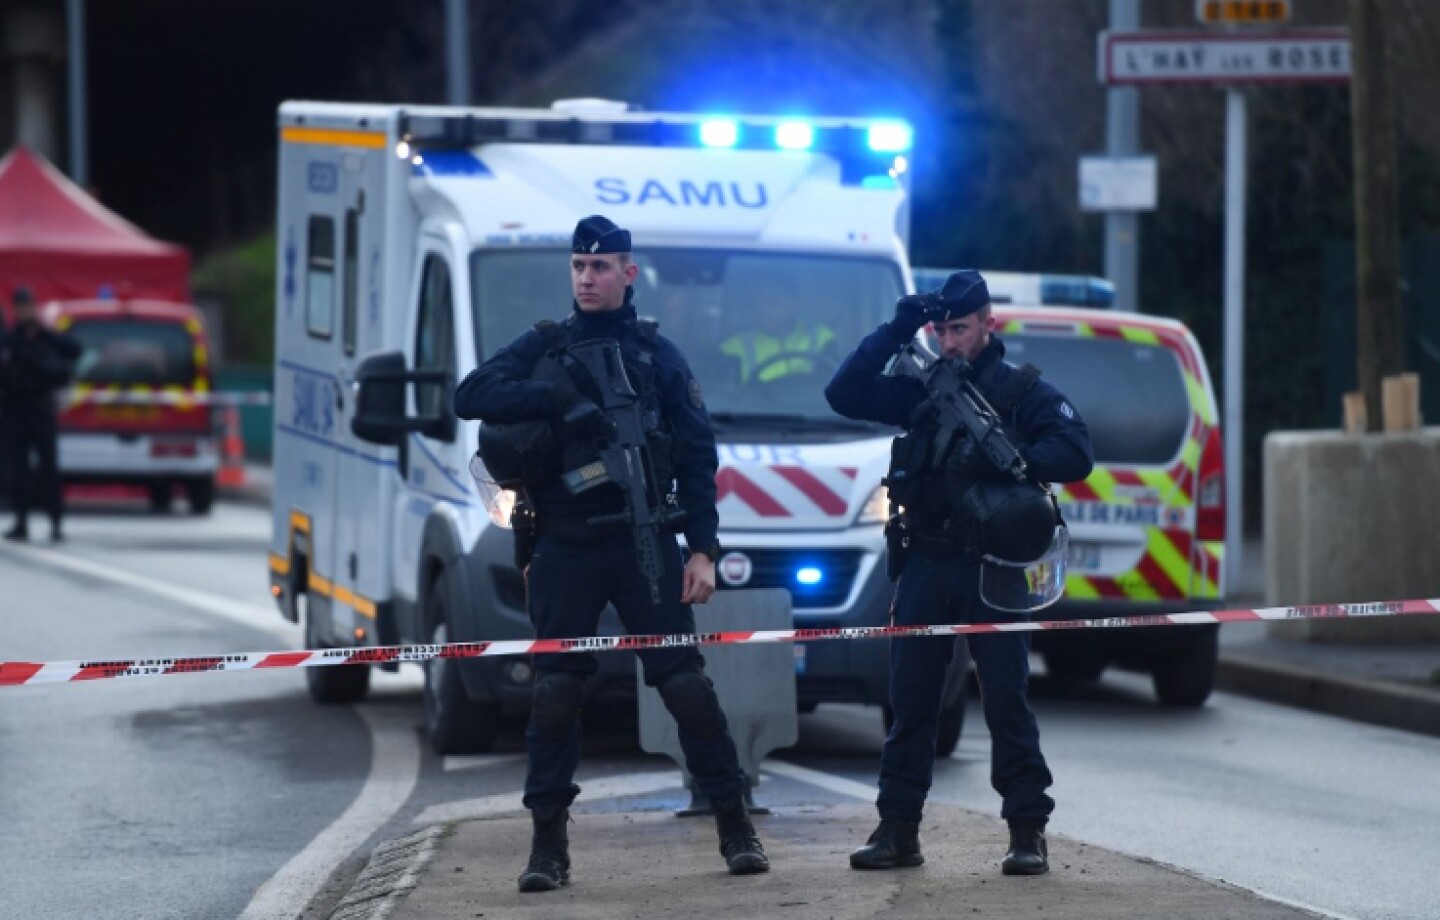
(876, 509)
(502, 506)
(499, 502)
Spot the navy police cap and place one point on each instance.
(598, 234)
(963, 293)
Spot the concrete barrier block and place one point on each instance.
(1352, 518)
(755, 683)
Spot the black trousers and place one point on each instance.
(569, 585)
(31, 431)
(939, 589)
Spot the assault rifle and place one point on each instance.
(624, 459)
(960, 408)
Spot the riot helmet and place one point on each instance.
(1013, 521)
(520, 454)
(1023, 544)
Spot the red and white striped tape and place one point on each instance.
(164, 398)
(16, 673)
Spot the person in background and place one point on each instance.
(35, 362)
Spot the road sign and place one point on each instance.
(1118, 183)
(1242, 12)
(1162, 56)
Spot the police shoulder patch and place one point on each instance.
(697, 399)
(1065, 410)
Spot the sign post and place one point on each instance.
(1235, 61)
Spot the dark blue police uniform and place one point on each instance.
(578, 565)
(939, 584)
(577, 568)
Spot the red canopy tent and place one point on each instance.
(64, 245)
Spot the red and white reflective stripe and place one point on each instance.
(164, 398)
(16, 673)
(784, 490)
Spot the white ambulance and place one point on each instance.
(415, 241)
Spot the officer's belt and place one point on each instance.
(943, 541)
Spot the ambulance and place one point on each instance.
(1147, 527)
(413, 242)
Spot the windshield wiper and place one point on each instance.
(791, 420)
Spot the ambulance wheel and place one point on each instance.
(1184, 677)
(948, 731)
(454, 723)
(159, 497)
(1074, 669)
(201, 493)
(333, 684)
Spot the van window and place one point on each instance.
(320, 278)
(1132, 396)
(435, 337)
(763, 332)
(133, 352)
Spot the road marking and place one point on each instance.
(254, 616)
(484, 760)
(394, 770)
(604, 787)
(839, 784)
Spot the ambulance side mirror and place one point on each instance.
(380, 417)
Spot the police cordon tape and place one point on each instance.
(17, 673)
(162, 398)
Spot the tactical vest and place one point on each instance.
(644, 374)
(936, 476)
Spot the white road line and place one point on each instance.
(848, 787)
(452, 764)
(394, 769)
(254, 616)
(605, 787)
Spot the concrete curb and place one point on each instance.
(393, 872)
(1379, 703)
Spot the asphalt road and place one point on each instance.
(224, 795)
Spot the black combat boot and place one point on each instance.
(18, 534)
(894, 845)
(738, 842)
(549, 866)
(1028, 854)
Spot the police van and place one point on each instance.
(413, 242)
(1147, 526)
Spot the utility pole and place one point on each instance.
(75, 66)
(1122, 138)
(457, 52)
(1377, 230)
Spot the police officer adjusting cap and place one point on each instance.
(598, 234)
(963, 293)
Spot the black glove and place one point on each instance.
(911, 312)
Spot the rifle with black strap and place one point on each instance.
(624, 459)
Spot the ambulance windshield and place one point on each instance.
(763, 332)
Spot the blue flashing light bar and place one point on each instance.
(719, 132)
(1076, 289)
(809, 575)
(890, 137)
(794, 135)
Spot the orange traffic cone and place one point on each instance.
(231, 474)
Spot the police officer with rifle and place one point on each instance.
(975, 535)
(598, 423)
